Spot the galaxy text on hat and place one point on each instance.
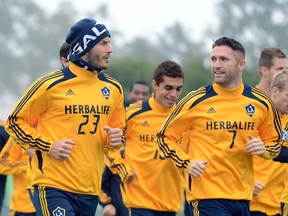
(77, 49)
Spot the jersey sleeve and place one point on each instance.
(174, 126)
(11, 159)
(271, 133)
(22, 123)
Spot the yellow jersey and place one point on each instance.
(220, 121)
(13, 161)
(158, 183)
(70, 103)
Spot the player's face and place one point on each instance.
(278, 64)
(227, 66)
(168, 92)
(139, 92)
(99, 55)
(280, 99)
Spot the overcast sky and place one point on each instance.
(149, 17)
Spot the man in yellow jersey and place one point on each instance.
(13, 161)
(4, 136)
(269, 175)
(225, 120)
(279, 95)
(151, 193)
(71, 117)
(110, 196)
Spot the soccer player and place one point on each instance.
(279, 95)
(13, 161)
(4, 136)
(139, 90)
(71, 117)
(269, 176)
(110, 196)
(229, 122)
(63, 54)
(151, 192)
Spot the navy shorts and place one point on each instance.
(257, 213)
(54, 202)
(149, 212)
(220, 207)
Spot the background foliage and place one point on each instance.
(30, 39)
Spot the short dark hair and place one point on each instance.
(267, 56)
(229, 42)
(64, 50)
(140, 82)
(167, 68)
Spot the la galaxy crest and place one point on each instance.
(284, 135)
(59, 212)
(106, 93)
(250, 110)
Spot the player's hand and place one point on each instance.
(255, 146)
(258, 187)
(61, 149)
(114, 135)
(31, 152)
(197, 167)
(131, 177)
(109, 210)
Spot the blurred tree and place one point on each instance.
(131, 68)
(196, 74)
(144, 49)
(178, 44)
(30, 41)
(257, 24)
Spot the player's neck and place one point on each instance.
(264, 87)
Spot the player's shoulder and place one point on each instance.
(134, 107)
(111, 81)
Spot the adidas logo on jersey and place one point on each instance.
(211, 110)
(145, 123)
(70, 92)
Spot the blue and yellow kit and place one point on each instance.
(220, 121)
(158, 183)
(272, 174)
(71, 103)
(13, 161)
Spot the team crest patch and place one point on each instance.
(284, 135)
(59, 212)
(250, 110)
(105, 92)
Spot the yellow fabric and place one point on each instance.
(272, 174)
(220, 123)
(158, 184)
(284, 197)
(73, 105)
(14, 162)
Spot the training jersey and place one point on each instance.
(158, 183)
(284, 197)
(3, 139)
(220, 121)
(71, 103)
(272, 174)
(13, 161)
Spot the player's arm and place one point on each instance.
(283, 155)
(270, 132)
(174, 126)
(22, 121)
(11, 159)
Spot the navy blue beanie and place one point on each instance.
(85, 34)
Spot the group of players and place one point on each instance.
(217, 142)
